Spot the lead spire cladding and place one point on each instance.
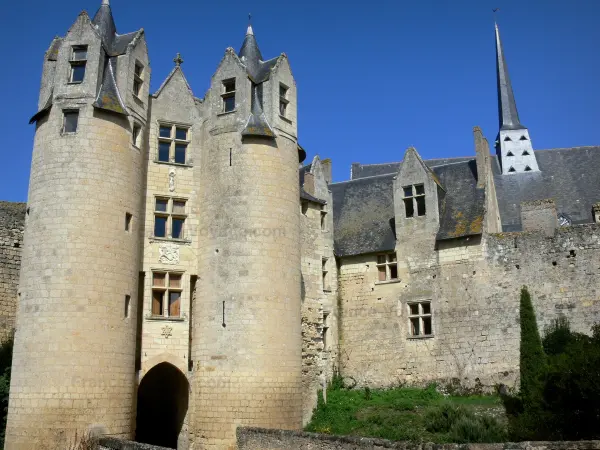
(507, 107)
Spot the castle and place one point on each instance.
(183, 272)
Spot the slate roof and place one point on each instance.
(363, 215)
(568, 175)
(461, 208)
(363, 208)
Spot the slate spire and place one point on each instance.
(507, 107)
(104, 23)
(250, 53)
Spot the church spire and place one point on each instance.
(507, 107)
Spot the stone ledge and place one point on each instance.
(111, 443)
(260, 438)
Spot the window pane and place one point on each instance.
(161, 204)
(165, 132)
(77, 73)
(137, 88)
(174, 304)
(413, 309)
(180, 153)
(408, 191)
(178, 207)
(229, 103)
(283, 91)
(409, 207)
(382, 275)
(157, 300)
(158, 279)
(175, 280)
(426, 325)
(79, 53)
(163, 151)
(393, 272)
(380, 259)
(138, 70)
(229, 85)
(420, 189)
(392, 257)
(414, 326)
(71, 119)
(421, 206)
(178, 228)
(181, 133)
(160, 226)
(282, 108)
(426, 308)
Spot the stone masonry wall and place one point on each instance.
(261, 439)
(474, 293)
(12, 224)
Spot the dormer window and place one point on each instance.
(283, 99)
(414, 199)
(228, 95)
(138, 79)
(78, 61)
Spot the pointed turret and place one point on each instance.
(513, 145)
(507, 107)
(105, 24)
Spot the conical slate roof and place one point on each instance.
(507, 107)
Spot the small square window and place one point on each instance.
(420, 319)
(181, 134)
(420, 189)
(178, 228)
(161, 204)
(178, 207)
(79, 53)
(229, 86)
(408, 191)
(78, 62)
(77, 73)
(169, 286)
(387, 267)
(71, 119)
(164, 131)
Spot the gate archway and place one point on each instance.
(163, 398)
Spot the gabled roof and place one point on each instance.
(176, 69)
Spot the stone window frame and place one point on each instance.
(162, 309)
(138, 79)
(173, 142)
(323, 217)
(387, 267)
(66, 112)
(283, 100)
(227, 94)
(76, 61)
(136, 134)
(169, 215)
(326, 330)
(420, 313)
(414, 200)
(325, 275)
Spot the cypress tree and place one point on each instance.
(532, 357)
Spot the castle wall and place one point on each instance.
(319, 304)
(474, 293)
(12, 223)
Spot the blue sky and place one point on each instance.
(373, 77)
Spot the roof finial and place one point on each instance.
(178, 60)
(249, 31)
(106, 2)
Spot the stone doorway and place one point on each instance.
(162, 406)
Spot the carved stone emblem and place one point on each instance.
(168, 254)
(564, 220)
(167, 331)
(172, 174)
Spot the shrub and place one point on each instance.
(477, 429)
(441, 419)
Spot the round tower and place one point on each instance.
(74, 352)
(246, 320)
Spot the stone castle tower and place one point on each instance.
(162, 249)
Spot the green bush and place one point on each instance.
(441, 419)
(477, 429)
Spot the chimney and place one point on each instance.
(482, 157)
(326, 164)
(539, 215)
(596, 211)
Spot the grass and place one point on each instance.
(410, 414)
